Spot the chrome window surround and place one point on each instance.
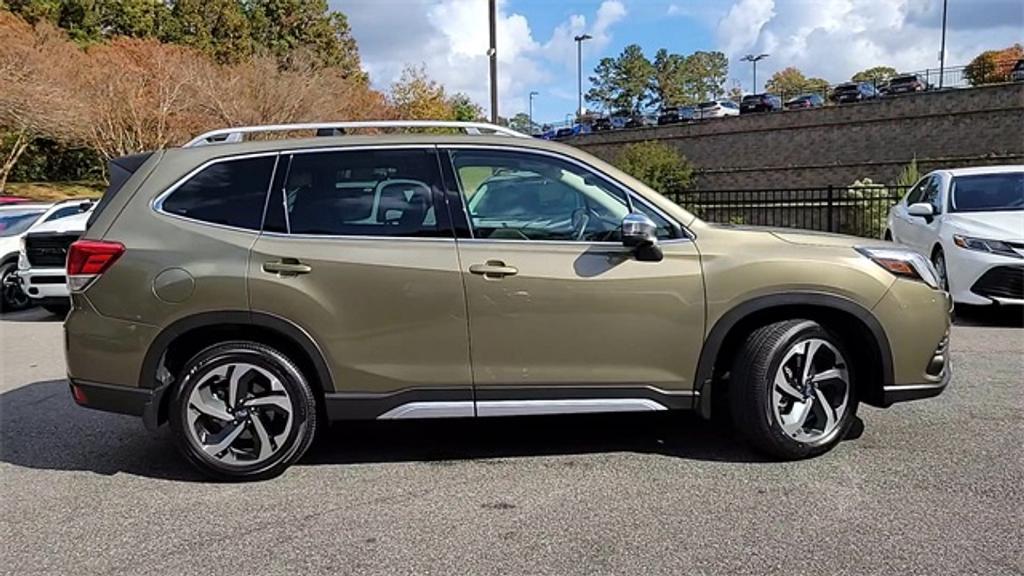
(157, 203)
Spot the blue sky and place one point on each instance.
(827, 38)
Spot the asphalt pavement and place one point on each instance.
(931, 487)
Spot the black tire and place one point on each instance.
(751, 384)
(939, 262)
(60, 310)
(888, 236)
(302, 401)
(12, 298)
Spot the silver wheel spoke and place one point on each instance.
(782, 384)
(793, 422)
(207, 404)
(830, 374)
(261, 432)
(827, 410)
(225, 441)
(809, 352)
(281, 402)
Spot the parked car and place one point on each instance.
(41, 260)
(1017, 74)
(805, 101)
(854, 92)
(676, 114)
(641, 121)
(760, 103)
(16, 220)
(970, 223)
(245, 304)
(7, 200)
(602, 125)
(904, 84)
(717, 109)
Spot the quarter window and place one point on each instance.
(521, 196)
(232, 193)
(362, 193)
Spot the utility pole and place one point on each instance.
(942, 49)
(492, 54)
(579, 72)
(753, 60)
(532, 94)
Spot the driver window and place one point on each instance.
(522, 196)
(931, 195)
(914, 196)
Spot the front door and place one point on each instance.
(358, 252)
(562, 317)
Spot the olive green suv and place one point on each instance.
(248, 291)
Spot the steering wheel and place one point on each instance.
(580, 221)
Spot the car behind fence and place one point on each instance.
(853, 210)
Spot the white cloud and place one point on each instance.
(450, 38)
(835, 38)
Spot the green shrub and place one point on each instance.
(659, 166)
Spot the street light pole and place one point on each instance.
(753, 60)
(532, 94)
(579, 71)
(942, 49)
(492, 54)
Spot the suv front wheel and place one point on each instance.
(792, 392)
(242, 411)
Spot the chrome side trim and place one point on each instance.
(914, 387)
(568, 406)
(459, 409)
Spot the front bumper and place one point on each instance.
(42, 283)
(981, 278)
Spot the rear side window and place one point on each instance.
(231, 193)
(362, 193)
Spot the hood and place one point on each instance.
(74, 223)
(1007, 225)
(806, 237)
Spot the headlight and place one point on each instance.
(903, 263)
(982, 245)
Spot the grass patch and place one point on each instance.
(55, 191)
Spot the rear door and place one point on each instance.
(357, 250)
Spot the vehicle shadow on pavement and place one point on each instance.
(989, 316)
(42, 428)
(30, 315)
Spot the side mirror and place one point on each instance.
(641, 234)
(921, 210)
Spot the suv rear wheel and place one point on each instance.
(792, 393)
(242, 411)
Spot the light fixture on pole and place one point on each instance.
(532, 94)
(579, 71)
(753, 60)
(942, 49)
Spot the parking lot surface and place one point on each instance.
(932, 487)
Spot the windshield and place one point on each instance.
(988, 192)
(15, 222)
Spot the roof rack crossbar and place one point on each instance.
(236, 134)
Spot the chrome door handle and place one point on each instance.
(493, 269)
(287, 267)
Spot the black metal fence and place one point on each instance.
(853, 210)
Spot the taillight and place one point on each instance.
(88, 259)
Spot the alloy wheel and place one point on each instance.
(811, 391)
(239, 414)
(12, 296)
(939, 262)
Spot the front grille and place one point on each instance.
(1001, 282)
(47, 249)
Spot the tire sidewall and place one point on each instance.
(303, 412)
(5, 270)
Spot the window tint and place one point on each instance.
(931, 194)
(362, 193)
(988, 192)
(522, 196)
(64, 212)
(231, 193)
(915, 194)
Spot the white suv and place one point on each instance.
(970, 223)
(41, 262)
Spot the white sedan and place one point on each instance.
(717, 109)
(970, 223)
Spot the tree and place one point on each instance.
(668, 84)
(464, 109)
(416, 97)
(521, 123)
(706, 73)
(289, 28)
(603, 91)
(993, 66)
(657, 165)
(875, 75)
(735, 91)
(218, 28)
(90, 21)
(633, 75)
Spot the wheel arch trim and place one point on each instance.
(723, 327)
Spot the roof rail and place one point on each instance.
(236, 134)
